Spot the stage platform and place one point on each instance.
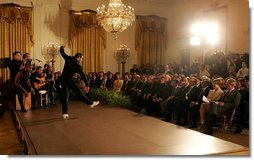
(107, 130)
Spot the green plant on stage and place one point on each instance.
(111, 98)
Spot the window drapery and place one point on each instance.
(151, 39)
(87, 37)
(16, 32)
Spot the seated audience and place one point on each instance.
(225, 106)
(213, 95)
(242, 111)
(195, 105)
(243, 72)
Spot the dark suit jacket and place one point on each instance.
(231, 100)
(193, 94)
(109, 84)
(164, 91)
(182, 92)
(98, 82)
(203, 93)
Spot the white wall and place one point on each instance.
(51, 24)
(181, 17)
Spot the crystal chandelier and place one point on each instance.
(116, 18)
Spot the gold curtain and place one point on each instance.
(16, 32)
(87, 37)
(151, 39)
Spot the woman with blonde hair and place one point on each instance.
(213, 95)
(118, 83)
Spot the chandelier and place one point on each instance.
(116, 18)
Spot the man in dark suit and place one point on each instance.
(227, 103)
(190, 96)
(99, 80)
(195, 105)
(106, 83)
(180, 101)
(134, 69)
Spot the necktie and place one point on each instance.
(104, 83)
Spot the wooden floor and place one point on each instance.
(114, 131)
(9, 141)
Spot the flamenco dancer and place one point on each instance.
(72, 66)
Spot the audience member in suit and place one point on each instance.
(225, 106)
(134, 69)
(166, 105)
(130, 84)
(162, 92)
(106, 83)
(179, 89)
(213, 95)
(93, 80)
(184, 103)
(22, 84)
(195, 105)
(149, 95)
(136, 90)
(180, 100)
(110, 80)
(126, 81)
(99, 80)
(168, 70)
(141, 92)
(89, 78)
(147, 90)
(242, 111)
(136, 87)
